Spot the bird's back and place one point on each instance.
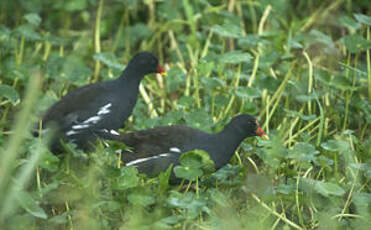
(161, 139)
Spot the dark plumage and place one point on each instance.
(155, 149)
(101, 107)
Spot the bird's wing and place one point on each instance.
(151, 165)
(72, 111)
(158, 140)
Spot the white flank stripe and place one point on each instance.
(93, 120)
(175, 149)
(104, 109)
(113, 132)
(146, 159)
(71, 132)
(80, 126)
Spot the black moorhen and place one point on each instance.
(155, 149)
(85, 113)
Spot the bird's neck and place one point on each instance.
(227, 142)
(131, 77)
(232, 134)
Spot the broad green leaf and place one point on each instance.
(250, 41)
(235, 57)
(110, 60)
(327, 189)
(111, 205)
(141, 199)
(169, 9)
(343, 83)
(128, 178)
(75, 71)
(188, 173)
(334, 145)
(259, 184)
(322, 38)
(163, 179)
(218, 197)
(197, 158)
(305, 98)
(199, 119)
(303, 152)
(364, 167)
(324, 188)
(324, 162)
(269, 59)
(193, 163)
(5, 33)
(212, 83)
(354, 42)
(171, 117)
(72, 148)
(28, 32)
(247, 147)
(362, 201)
(224, 174)
(60, 219)
(350, 23)
(139, 32)
(295, 45)
(330, 145)
(187, 201)
(131, 4)
(204, 67)
(175, 79)
(49, 162)
(191, 159)
(286, 189)
(248, 93)
(25, 200)
(228, 30)
(364, 19)
(272, 151)
(75, 5)
(33, 19)
(9, 93)
(291, 113)
(170, 220)
(55, 40)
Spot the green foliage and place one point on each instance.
(301, 67)
(9, 93)
(194, 164)
(29, 205)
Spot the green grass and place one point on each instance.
(302, 67)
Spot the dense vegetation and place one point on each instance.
(303, 67)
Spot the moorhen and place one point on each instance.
(153, 150)
(85, 113)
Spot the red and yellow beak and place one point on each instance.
(259, 131)
(161, 70)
